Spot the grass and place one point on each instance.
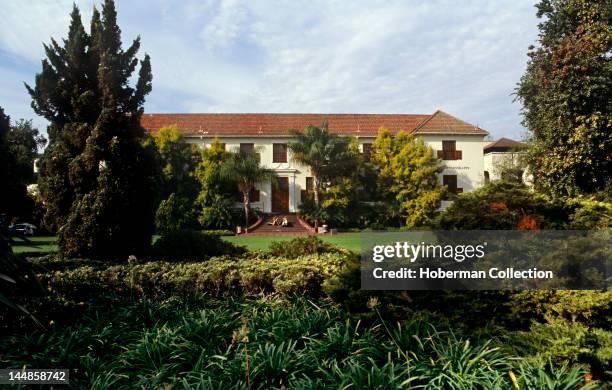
(38, 244)
(48, 244)
(350, 241)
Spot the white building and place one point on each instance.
(458, 143)
(503, 153)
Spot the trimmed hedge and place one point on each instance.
(219, 276)
(301, 246)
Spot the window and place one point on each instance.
(449, 151)
(367, 149)
(222, 145)
(247, 148)
(450, 181)
(279, 153)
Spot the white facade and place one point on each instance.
(468, 170)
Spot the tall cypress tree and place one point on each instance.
(96, 176)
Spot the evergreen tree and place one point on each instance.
(216, 197)
(408, 175)
(566, 97)
(180, 187)
(96, 177)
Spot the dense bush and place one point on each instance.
(270, 343)
(217, 276)
(503, 205)
(590, 213)
(192, 244)
(175, 213)
(564, 344)
(302, 246)
(218, 213)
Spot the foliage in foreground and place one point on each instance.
(296, 343)
(218, 276)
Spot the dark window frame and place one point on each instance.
(247, 147)
(449, 151)
(279, 156)
(451, 182)
(366, 148)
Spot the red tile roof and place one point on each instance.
(442, 123)
(279, 124)
(504, 144)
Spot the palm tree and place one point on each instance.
(244, 169)
(320, 150)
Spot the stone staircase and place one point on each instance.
(296, 227)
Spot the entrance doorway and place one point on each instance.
(280, 196)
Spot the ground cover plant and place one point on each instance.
(294, 342)
(299, 323)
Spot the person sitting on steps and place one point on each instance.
(285, 223)
(274, 221)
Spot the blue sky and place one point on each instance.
(463, 57)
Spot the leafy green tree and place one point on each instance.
(216, 196)
(565, 93)
(179, 187)
(96, 177)
(408, 175)
(244, 169)
(19, 144)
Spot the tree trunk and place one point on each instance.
(247, 209)
(317, 185)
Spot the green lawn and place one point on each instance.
(44, 244)
(48, 244)
(351, 241)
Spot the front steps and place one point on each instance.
(296, 227)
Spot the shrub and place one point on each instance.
(218, 214)
(590, 214)
(302, 246)
(563, 343)
(504, 206)
(192, 244)
(591, 308)
(217, 276)
(174, 214)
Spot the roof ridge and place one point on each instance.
(423, 123)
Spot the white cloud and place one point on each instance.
(317, 56)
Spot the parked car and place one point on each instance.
(24, 229)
